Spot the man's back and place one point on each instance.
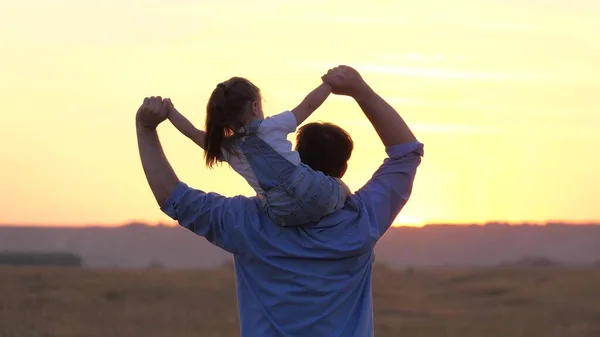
(306, 281)
(314, 280)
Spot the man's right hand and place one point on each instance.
(345, 80)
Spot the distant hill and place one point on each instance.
(142, 246)
(130, 246)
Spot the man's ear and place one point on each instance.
(256, 108)
(343, 170)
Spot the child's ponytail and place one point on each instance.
(225, 113)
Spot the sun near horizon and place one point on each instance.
(502, 94)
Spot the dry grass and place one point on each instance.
(457, 303)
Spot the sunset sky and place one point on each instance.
(504, 94)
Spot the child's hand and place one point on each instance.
(169, 106)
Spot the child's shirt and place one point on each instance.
(273, 132)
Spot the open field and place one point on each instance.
(543, 302)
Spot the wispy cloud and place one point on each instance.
(429, 19)
(541, 132)
(415, 57)
(434, 72)
(351, 20)
(436, 128)
(455, 129)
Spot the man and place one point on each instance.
(313, 280)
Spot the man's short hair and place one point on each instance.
(324, 147)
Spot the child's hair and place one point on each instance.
(225, 113)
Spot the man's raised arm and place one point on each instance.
(159, 173)
(207, 214)
(389, 189)
(390, 127)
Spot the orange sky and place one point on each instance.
(503, 93)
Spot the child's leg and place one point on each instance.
(343, 194)
(293, 195)
(306, 197)
(272, 171)
(269, 167)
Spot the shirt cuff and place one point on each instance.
(170, 206)
(401, 150)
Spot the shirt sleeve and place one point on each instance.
(210, 215)
(386, 193)
(284, 123)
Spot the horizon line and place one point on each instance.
(393, 226)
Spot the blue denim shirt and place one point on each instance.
(311, 280)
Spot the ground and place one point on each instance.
(507, 302)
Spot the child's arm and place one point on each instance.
(311, 102)
(186, 127)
